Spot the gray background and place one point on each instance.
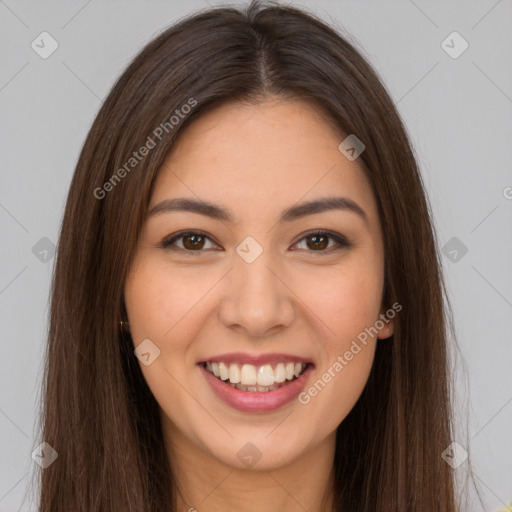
(457, 111)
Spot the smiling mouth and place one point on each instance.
(248, 377)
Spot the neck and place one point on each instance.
(206, 483)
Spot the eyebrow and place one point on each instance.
(214, 211)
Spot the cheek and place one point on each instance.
(348, 301)
(335, 392)
(158, 310)
(348, 307)
(348, 304)
(159, 300)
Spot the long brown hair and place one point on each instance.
(98, 412)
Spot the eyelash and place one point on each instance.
(342, 242)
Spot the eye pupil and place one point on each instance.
(194, 244)
(318, 239)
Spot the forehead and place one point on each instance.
(268, 155)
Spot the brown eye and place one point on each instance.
(319, 241)
(193, 242)
(190, 242)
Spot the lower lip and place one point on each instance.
(254, 401)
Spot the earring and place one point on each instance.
(124, 325)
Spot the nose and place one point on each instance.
(256, 299)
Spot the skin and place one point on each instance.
(255, 161)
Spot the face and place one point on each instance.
(273, 297)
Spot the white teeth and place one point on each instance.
(290, 370)
(234, 373)
(248, 377)
(223, 370)
(241, 387)
(265, 375)
(280, 373)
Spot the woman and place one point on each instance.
(247, 307)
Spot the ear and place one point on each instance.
(387, 327)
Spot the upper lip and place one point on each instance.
(259, 360)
